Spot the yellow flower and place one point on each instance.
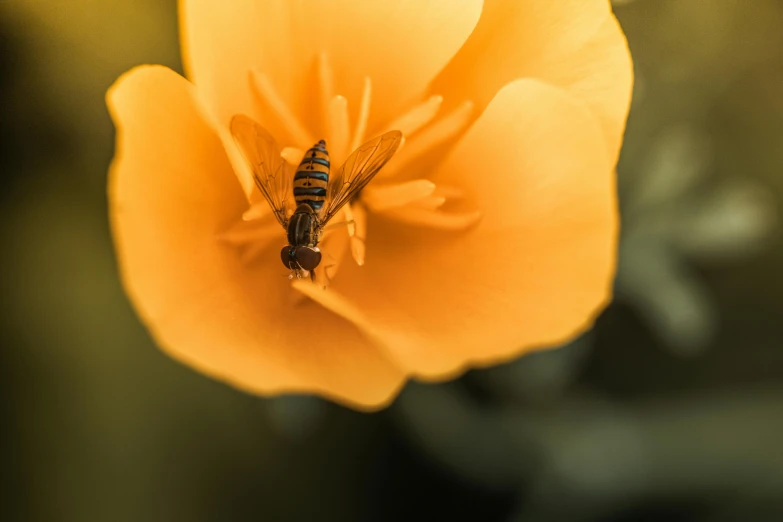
(492, 232)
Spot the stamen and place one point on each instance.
(364, 115)
(429, 203)
(439, 197)
(252, 238)
(450, 192)
(358, 231)
(339, 129)
(384, 197)
(240, 165)
(257, 211)
(292, 155)
(417, 117)
(297, 298)
(435, 218)
(267, 94)
(436, 134)
(348, 219)
(326, 83)
(333, 248)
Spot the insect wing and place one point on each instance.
(272, 174)
(358, 170)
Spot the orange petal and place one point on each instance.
(532, 273)
(400, 45)
(172, 194)
(575, 44)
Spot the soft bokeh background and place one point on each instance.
(671, 409)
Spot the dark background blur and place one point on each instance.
(671, 409)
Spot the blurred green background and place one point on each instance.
(670, 409)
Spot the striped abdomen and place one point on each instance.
(312, 177)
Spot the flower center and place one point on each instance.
(401, 191)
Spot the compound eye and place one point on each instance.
(288, 256)
(307, 257)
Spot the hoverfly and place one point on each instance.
(306, 200)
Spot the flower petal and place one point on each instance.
(400, 45)
(172, 194)
(575, 44)
(533, 273)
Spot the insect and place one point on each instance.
(306, 200)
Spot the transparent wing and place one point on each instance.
(273, 175)
(358, 170)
